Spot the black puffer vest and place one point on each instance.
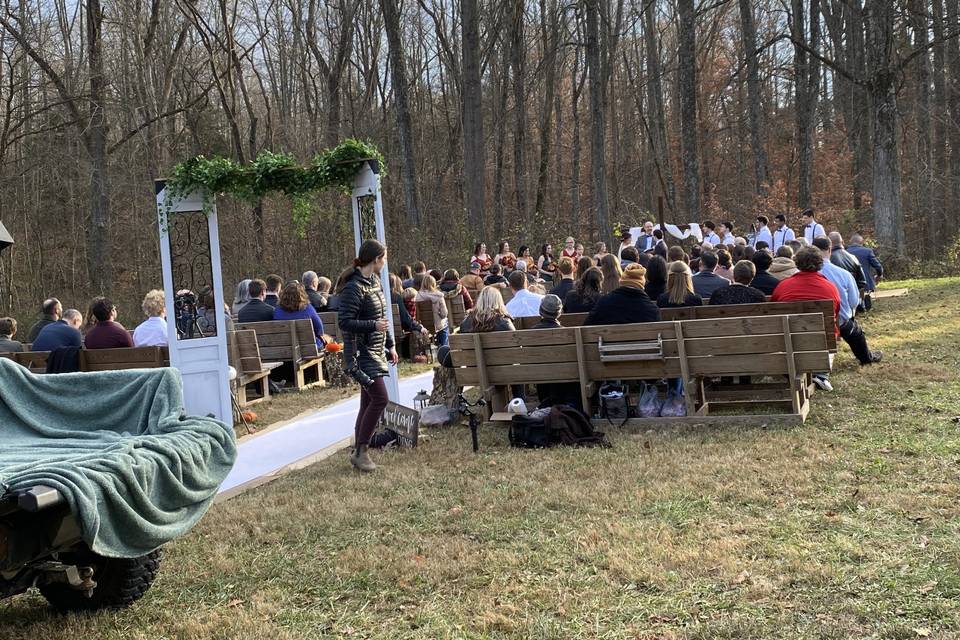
(364, 348)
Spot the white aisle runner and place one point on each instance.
(263, 455)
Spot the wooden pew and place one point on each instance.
(252, 383)
(332, 328)
(456, 311)
(292, 343)
(124, 358)
(35, 361)
(787, 345)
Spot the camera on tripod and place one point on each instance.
(187, 315)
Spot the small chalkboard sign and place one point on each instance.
(403, 421)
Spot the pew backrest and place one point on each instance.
(284, 340)
(124, 358)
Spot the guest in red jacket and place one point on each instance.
(107, 333)
(809, 284)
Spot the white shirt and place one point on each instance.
(525, 304)
(813, 230)
(728, 239)
(712, 238)
(152, 332)
(781, 237)
(763, 235)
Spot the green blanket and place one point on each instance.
(135, 474)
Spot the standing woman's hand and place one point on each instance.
(392, 356)
(382, 325)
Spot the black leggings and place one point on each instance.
(373, 400)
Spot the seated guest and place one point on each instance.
(679, 291)
(293, 304)
(472, 280)
(323, 287)
(430, 293)
(724, 264)
(488, 314)
(495, 279)
(694, 262)
(51, 310)
(630, 255)
(108, 333)
(842, 258)
(764, 281)
(584, 263)
(405, 274)
(550, 394)
(705, 281)
(407, 323)
(207, 314)
(522, 266)
(586, 292)
(65, 332)
(656, 276)
(451, 287)
(610, 267)
(562, 288)
(749, 252)
(8, 329)
(524, 303)
(628, 303)
(740, 291)
(675, 253)
(257, 310)
(274, 283)
(846, 286)
(809, 284)
(311, 282)
(241, 297)
(783, 266)
(409, 297)
(152, 332)
(868, 260)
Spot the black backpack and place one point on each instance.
(564, 425)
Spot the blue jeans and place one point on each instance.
(441, 338)
(675, 385)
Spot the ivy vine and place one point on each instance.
(273, 173)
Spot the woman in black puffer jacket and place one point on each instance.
(367, 344)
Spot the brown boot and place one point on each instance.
(361, 459)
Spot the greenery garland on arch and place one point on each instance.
(274, 173)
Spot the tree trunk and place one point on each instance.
(99, 245)
(656, 114)
(398, 77)
(550, 44)
(806, 90)
(923, 158)
(953, 100)
(887, 206)
(687, 81)
(597, 117)
(518, 66)
(935, 237)
(473, 151)
(755, 107)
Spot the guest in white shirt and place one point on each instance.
(763, 232)
(152, 332)
(811, 228)
(783, 234)
(525, 303)
(725, 230)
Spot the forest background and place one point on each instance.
(499, 119)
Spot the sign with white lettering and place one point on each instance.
(403, 421)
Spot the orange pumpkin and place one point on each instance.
(333, 347)
(250, 416)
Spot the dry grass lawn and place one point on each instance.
(844, 528)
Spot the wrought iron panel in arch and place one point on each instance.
(368, 217)
(190, 260)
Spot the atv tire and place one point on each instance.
(120, 582)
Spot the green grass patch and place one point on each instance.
(846, 527)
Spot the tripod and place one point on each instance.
(467, 408)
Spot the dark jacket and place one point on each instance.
(624, 305)
(576, 303)
(868, 262)
(272, 299)
(691, 300)
(317, 300)
(706, 282)
(362, 304)
(764, 282)
(38, 327)
(503, 324)
(453, 287)
(255, 311)
(562, 288)
(56, 335)
(10, 346)
(737, 294)
(547, 324)
(654, 289)
(847, 261)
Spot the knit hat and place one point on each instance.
(474, 266)
(550, 307)
(633, 276)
